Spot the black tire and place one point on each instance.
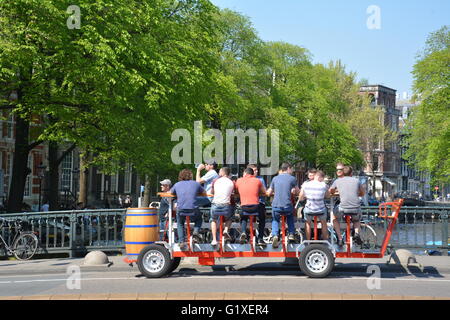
(25, 246)
(175, 263)
(316, 261)
(154, 261)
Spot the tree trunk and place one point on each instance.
(20, 170)
(146, 199)
(53, 175)
(82, 195)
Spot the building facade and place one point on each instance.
(103, 190)
(384, 173)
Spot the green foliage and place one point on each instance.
(428, 128)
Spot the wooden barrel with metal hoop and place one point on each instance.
(141, 229)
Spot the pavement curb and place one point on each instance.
(189, 296)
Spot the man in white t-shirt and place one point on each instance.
(222, 189)
(315, 192)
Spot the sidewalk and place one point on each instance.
(222, 296)
(431, 264)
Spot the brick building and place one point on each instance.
(386, 174)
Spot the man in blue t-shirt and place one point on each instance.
(283, 186)
(187, 191)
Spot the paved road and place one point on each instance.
(232, 276)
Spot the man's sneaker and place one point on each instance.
(196, 238)
(357, 239)
(214, 243)
(291, 237)
(183, 246)
(243, 238)
(226, 236)
(261, 242)
(340, 243)
(275, 242)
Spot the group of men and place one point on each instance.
(221, 192)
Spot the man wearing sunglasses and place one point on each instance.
(335, 216)
(350, 189)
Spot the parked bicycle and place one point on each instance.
(24, 243)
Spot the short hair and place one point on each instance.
(249, 171)
(253, 166)
(285, 166)
(314, 171)
(212, 163)
(226, 170)
(340, 164)
(320, 173)
(185, 175)
(348, 170)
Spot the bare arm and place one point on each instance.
(302, 195)
(198, 176)
(361, 191)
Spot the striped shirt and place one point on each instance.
(314, 192)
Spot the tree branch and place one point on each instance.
(65, 153)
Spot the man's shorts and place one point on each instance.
(226, 217)
(339, 212)
(307, 213)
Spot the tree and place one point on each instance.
(116, 87)
(367, 125)
(428, 127)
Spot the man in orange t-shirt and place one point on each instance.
(249, 189)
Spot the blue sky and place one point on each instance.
(337, 29)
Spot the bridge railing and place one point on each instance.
(75, 232)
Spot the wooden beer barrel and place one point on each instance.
(141, 229)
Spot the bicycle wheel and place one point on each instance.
(25, 246)
(368, 237)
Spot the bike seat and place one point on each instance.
(221, 211)
(284, 211)
(350, 212)
(250, 210)
(315, 214)
(187, 212)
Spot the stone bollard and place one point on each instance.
(96, 259)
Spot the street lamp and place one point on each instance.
(41, 173)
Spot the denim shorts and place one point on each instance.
(216, 218)
(307, 212)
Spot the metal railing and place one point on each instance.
(78, 232)
(73, 232)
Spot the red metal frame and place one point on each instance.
(208, 258)
(316, 231)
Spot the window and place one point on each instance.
(127, 178)
(375, 162)
(10, 126)
(115, 183)
(29, 179)
(66, 172)
(8, 170)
